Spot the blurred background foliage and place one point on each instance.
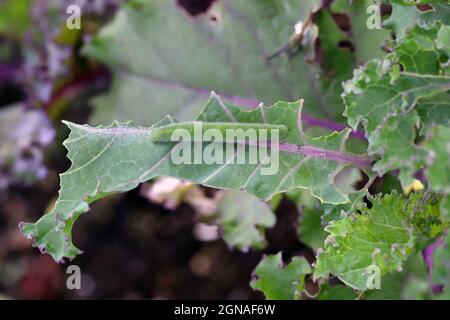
(168, 239)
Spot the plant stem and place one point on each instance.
(338, 156)
(330, 125)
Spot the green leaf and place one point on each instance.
(279, 282)
(407, 284)
(384, 100)
(338, 62)
(438, 172)
(380, 238)
(435, 110)
(375, 93)
(243, 220)
(339, 211)
(396, 143)
(366, 43)
(336, 212)
(337, 292)
(404, 17)
(302, 198)
(416, 289)
(227, 56)
(224, 50)
(119, 157)
(310, 230)
(418, 51)
(14, 17)
(445, 206)
(441, 268)
(443, 39)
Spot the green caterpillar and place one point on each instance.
(198, 131)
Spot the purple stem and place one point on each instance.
(342, 157)
(427, 254)
(330, 125)
(420, 175)
(314, 152)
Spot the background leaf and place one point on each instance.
(243, 220)
(224, 50)
(279, 282)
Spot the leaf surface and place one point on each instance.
(243, 220)
(379, 239)
(224, 50)
(119, 157)
(279, 282)
(404, 17)
(394, 97)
